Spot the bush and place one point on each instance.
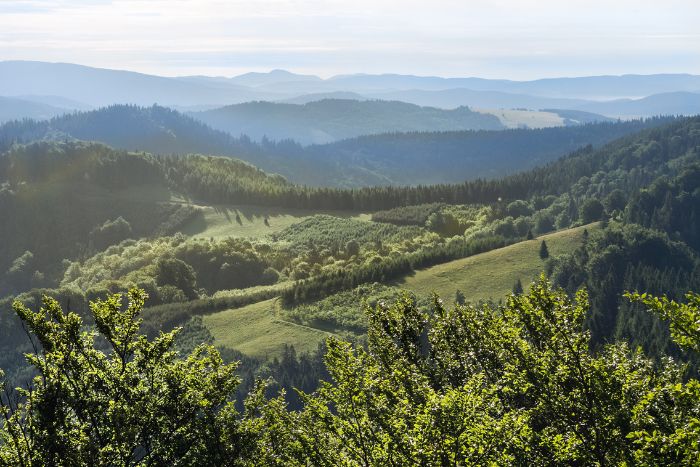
(592, 210)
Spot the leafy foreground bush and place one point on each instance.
(136, 404)
(516, 384)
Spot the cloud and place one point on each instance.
(490, 38)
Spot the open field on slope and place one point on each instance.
(221, 221)
(525, 118)
(257, 331)
(491, 275)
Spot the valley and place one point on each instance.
(208, 264)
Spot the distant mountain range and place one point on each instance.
(88, 87)
(100, 87)
(588, 87)
(669, 103)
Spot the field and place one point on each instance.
(257, 331)
(525, 118)
(491, 275)
(249, 221)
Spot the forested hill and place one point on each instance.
(159, 130)
(153, 129)
(75, 198)
(402, 158)
(629, 163)
(439, 157)
(329, 120)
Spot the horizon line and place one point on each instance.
(342, 75)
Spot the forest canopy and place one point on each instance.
(515, 384)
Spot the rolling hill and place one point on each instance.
(329, 120)
(672, 103)
(585, 87)
(392, 158)
(444, 157)
(12, 108)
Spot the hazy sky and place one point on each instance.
(493, 38)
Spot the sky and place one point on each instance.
(514, 39)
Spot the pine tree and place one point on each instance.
(544, 251)
(518, 287)
(529, 234)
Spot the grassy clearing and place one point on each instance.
(257, 331)
(491, 275)
(525, 118)
(249, 221)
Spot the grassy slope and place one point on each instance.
(491, 275)
(220, 221)
(256, 330)
(528, 118)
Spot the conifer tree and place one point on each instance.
(518, 287)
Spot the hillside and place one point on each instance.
(329, 120)
(448, 157)
(259, 331)
(64, 200)
(492, 275)
(102, 87)
(388, 159)
(12, 108)
(672, 103)
(262, 329)
(152, 129)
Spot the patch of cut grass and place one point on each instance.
(491, 275)
(257, 331)
(525, 118)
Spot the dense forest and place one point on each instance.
(415, 158)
